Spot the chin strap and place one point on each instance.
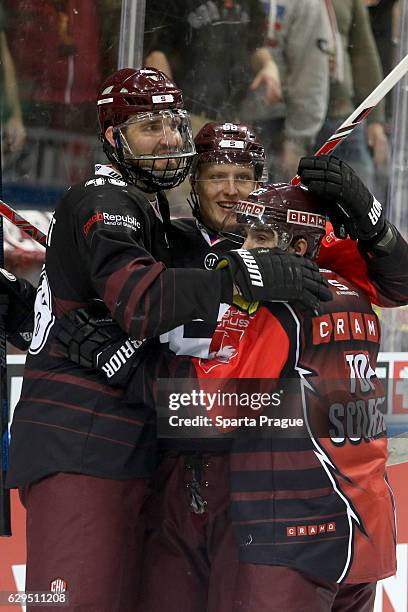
(194, 203)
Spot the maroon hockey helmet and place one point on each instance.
(292, 212)
(145, 101)
(232, 143)
(128, 91)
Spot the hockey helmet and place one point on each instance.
(291, 212)
(231, 143)
(153, 144)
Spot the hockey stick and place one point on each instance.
(27, 227)
(397, 447)
(362, 111)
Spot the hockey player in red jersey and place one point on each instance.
(313, 516)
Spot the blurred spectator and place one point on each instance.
(382, 14)
(356, 71)
(56, 48)
(214, 52)
(14, 131)
(384, 18)
(384, 23)
(296, 35)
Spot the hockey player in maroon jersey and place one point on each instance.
(79, 455)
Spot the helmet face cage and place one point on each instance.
(266, 210)
(155, 148)
(238, 158)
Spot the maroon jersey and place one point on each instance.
(106, 242)
(319, 502)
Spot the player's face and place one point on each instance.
(155, 136)
(260, 237)
(219, 187)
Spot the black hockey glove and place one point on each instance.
(351, 207)
(19, 319)
(272, 275)
(98, 342)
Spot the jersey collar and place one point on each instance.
(107, 170)
(210, 237)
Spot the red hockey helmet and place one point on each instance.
(231, 143)
(153, 144)
(291, 212)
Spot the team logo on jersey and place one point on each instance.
(210, 261)
(231, 144)
(58, 585)
(44, 318)
(226, 339)
(112, 220)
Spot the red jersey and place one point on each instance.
(320, 502)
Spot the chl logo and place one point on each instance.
(210, 261)
(58, 585)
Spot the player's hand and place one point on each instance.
(97, 342)
(15, 134)
(269, 77)
(351, 207)
(289, 157)
(83, 335)
(19, 319)
(378, 142)
(272, 275)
